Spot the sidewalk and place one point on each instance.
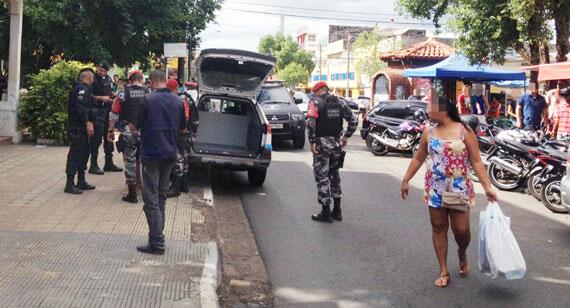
(61, 250)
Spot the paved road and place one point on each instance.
(381, 255)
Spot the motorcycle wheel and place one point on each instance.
(551, 196)
(377, 148)
(502, 179)
(534, 186)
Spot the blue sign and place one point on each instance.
(342, 76)
(319, 78)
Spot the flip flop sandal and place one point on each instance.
(441, 281)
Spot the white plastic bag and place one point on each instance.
(499, 252)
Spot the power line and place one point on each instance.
(324, 18)
(309, 9)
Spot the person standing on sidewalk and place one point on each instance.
(325, 115)
(79, 128)
(532, 109)
(179, 179)
(160, 120)
(103, 99)
(452, 148)
(125, 110)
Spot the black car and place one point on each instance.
(287, 120)
(392, 112)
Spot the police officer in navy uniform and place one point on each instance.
(326, 115)
(102, 102)
(80, 128)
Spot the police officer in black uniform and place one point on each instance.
(102, 102)
(80, 128)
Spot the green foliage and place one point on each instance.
(120, 31)
(287, 53)
(293, 74)
(366, 52)
(44, 108)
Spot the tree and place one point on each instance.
(290, 57)
(293, 74)
(120, 31)
(366, 52)
(488, 29)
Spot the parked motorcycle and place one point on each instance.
(383, 137)
(545, 185)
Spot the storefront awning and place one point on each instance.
(553, 71)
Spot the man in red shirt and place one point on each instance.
(562, 126)
(465, 102)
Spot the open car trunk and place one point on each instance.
(228, 127)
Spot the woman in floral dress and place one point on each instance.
(450, 148)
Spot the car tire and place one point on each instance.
(299, 141)
(256, 177)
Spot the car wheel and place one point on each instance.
(256, 177)
(299, 141)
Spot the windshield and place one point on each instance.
(303, 96)
(274, 95)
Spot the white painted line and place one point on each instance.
(209, 281)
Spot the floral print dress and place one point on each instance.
(447, 169)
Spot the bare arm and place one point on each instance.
(519, 116)
(416, 163)
(477, 164)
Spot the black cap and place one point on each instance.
(104, 64)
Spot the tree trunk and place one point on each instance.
(562, 25)
(545, 53)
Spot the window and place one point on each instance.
(400, 92)
(382, 84)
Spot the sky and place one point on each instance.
(236, 26)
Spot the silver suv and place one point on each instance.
(234, 133)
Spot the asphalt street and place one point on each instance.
(381, 255)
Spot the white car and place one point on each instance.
(302, 100)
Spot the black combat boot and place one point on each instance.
(82, 184)
(110, 166)
(174, 190)
(70, 187)
(336, 212)
(184, 184)
(94, 169)
(131, 197)
(324, 215)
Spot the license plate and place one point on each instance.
(277, 126)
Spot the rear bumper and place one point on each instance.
(229, 163)
(565, 192)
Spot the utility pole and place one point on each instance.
(347, 94)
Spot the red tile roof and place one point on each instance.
(430, 49)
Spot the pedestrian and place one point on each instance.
(494, 108)
(125, 111)
(451, 149)
(160, 120)
(511, 108)
(465, 101)
(102, 99)
(179, 178)
(562, 124)
(325, 125)
(553, 100)
(534, 108)
(415, 95)
(480, 104)
(116, 80)
(79, 128)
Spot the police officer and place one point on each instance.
(102, 101)
(80, 128)
(125, 110)
(325, 116)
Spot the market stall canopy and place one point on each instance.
(553, 71)
(459, 67)
(511, 84)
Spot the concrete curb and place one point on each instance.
(245, 282)
(211, 278)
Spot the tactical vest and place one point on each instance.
(134, 96)
(329, 123)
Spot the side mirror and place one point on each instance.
(298, 101)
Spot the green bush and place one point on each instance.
(44, 109)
